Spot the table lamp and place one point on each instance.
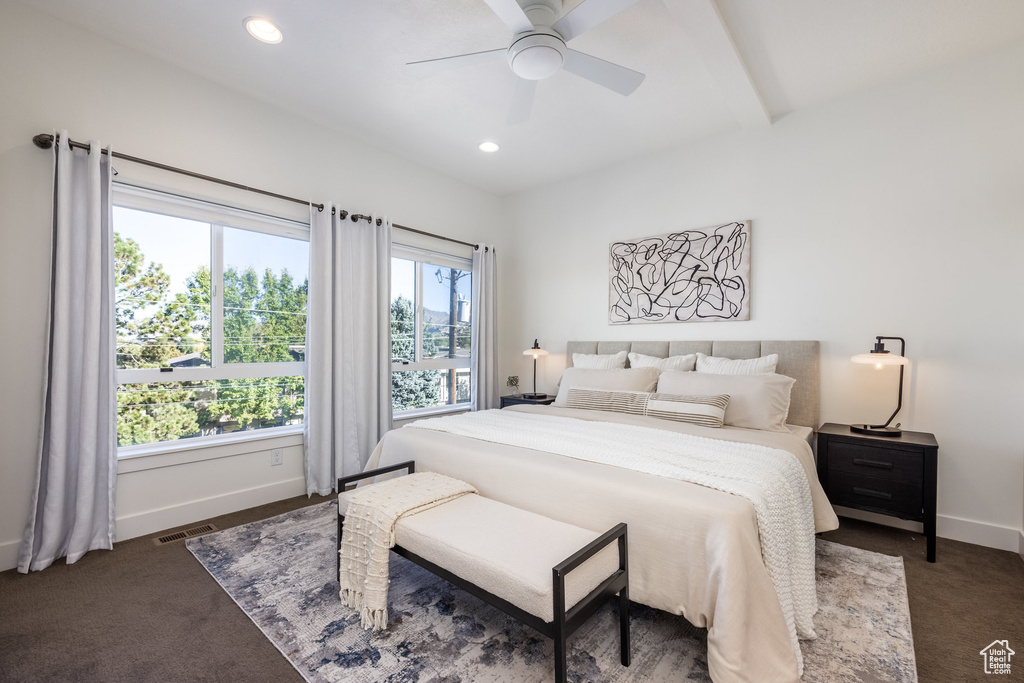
(536, 352)
(880, 357)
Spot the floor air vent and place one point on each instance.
(187, 533)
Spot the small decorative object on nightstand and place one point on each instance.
(513, 381)
(536, 352)
(896, 476)
(517, 400)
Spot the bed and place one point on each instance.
(694, 551)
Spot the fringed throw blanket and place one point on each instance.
(771, 479)
(369, 535)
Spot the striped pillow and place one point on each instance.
(632, 402)
(707, 411)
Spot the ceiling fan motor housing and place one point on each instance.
(536, 56)
(542, 13)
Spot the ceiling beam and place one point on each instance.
(710, 37)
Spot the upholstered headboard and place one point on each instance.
(797, 359)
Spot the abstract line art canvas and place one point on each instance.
(686, 276)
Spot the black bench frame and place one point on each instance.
(565, 622)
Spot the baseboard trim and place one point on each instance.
(152, 521)
(883, 520)
(966, 530)
(9, 554)
(978, 533)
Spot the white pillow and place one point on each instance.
(744, 366)
(755, 401)
(598, 361)
(687, 362)
(619, 379)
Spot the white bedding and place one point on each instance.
(805, 433)
(770, 478)
(693, 550)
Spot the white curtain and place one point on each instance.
(72, 508)
(348, 345)
(484, 362)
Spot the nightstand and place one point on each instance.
(894, 476)
(516, 400)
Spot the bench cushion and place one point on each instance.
(504, 550)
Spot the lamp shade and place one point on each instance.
(880, 359)
(535, 352)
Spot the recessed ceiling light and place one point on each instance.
(489, 147)
(263, 29)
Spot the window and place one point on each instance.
(431, 311)
(211, 318)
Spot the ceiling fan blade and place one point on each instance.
(458, 61)
(588, 15)
(612, 76)
(522, 102)
(512, 14)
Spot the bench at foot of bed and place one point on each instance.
(550, 575)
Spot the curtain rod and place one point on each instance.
(360, 217)
(45, 141)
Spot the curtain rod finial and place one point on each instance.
(43, 141)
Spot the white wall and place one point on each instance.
(894, 212)
(54, 76)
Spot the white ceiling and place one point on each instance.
(343, 64)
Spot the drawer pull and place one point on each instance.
(872, 463)
(872, 493)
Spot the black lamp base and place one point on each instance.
(535, 395)
(876, 431)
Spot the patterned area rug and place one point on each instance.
(280, 571)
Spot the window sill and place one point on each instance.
(152, 456)
(411, 415)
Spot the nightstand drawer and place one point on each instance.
(876, 461)
(884, 495)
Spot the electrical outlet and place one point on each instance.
(276, 456)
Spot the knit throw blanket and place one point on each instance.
(771, 479)
(369, 535)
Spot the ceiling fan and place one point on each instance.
(538, 49)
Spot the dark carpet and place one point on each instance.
(971, 596)
(145, 613)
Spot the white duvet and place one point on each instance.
(772, 479)
(694, 550)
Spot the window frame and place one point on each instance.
(218, 216)
(419, 256)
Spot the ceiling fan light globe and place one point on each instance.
(536, 57)
(537, 63)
